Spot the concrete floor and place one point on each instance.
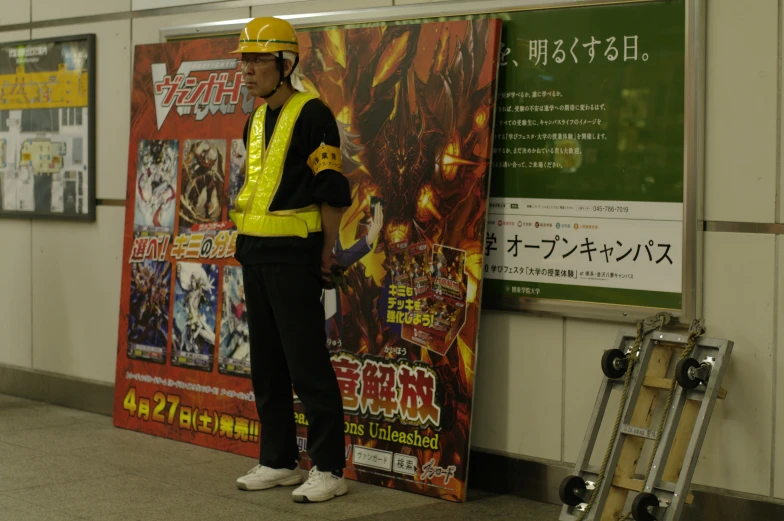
(59, 464)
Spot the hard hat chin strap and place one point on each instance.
(280, 60)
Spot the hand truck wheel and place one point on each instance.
(572, 490)
(684, 373)
(614, 363)
(642, 506)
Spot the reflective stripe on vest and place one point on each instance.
(263, 172)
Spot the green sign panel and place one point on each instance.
(588, 163)
(611, 78)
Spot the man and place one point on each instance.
(287, 215)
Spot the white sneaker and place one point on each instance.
(320, 486)
(262, 478)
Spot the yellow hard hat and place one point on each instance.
(268, 35)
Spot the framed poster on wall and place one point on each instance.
(594, 192)
(47, 128)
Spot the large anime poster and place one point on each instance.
(415, 107)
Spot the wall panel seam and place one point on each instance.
(32, 281)
(776, 270)
(777, 206)
(777, 305)
(563, 389)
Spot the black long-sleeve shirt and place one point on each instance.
(299, 187)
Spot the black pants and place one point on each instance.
(288, 346)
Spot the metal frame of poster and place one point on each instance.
(414, 103)
(47, 129)
(673, 219)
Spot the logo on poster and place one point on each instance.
(216, 93)
(430, 470)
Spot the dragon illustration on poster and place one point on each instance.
(416, 123)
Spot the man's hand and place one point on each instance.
(330, 224)
(328, 260)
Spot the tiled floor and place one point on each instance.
(59, 464)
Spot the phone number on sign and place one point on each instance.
(611, 209)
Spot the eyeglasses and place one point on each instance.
(256, 60)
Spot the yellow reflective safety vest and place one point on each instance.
(264, 169)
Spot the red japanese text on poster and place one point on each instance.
(415, 106)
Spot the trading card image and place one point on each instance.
(447, 270)
(236, 170)
(445, 314)
(418, 268)
(436, 323)
(234, 353)
(156, 185)
(202, 183)
(195, 309)
(398, 264)
(437, 311)
(148, 312)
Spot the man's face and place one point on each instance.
(260, 72)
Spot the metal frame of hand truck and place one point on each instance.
(682, 437)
